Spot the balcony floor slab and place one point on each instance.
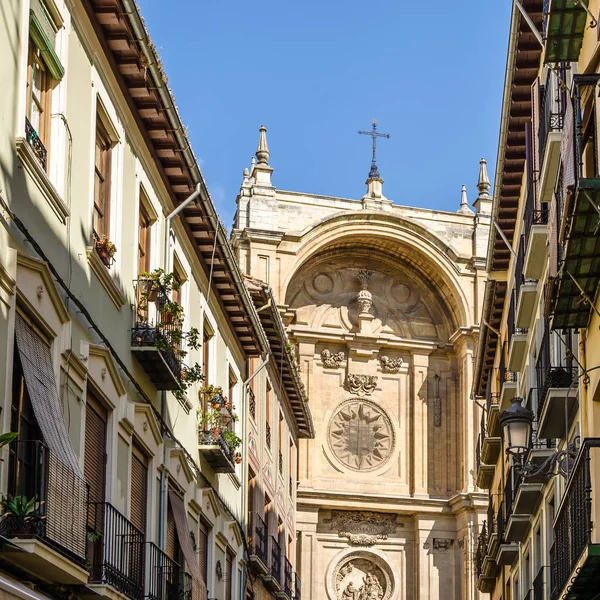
(552, 419)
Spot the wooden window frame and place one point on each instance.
(102, 189)
(144, 236)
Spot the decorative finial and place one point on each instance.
(364, 298)
(483, 183)
(246, 175)
(374, 172)
(464, 203)
(262, 152)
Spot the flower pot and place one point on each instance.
(148, 289)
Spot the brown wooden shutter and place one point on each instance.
(171, 545)
(139, 488)
(228, 575)
(203, 551)
(95, 448)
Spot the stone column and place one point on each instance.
(420, 437)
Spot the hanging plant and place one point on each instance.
(106, 250)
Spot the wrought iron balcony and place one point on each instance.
(156, 343)
(573, 293)
(492, 405)
(297, 587)
(288, 577)
(115, 550)
(538, 584)
(273, 577)
(257, 542)
(490, 446)
(485, 473)
(485, 569)
(517, 337)
(166, 580)
(216, 451)
(47, 515)
(576, 552)
(33, 139)
(564, 26)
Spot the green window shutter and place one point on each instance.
(38, 30)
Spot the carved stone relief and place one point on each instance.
(335, 294)
(361, 435)
(361, 385)
(442, 545)
(437, 412)
(389, 365)
(362, 576)
(363, 527)
(332, 361)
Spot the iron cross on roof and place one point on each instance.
(374, 173)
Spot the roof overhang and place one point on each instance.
(282, 358)
(138, 71)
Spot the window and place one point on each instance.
(44, 70)
(268, 402)
(203, 551)
(179, 278)
(102, 166)
(96, 417)
(280, 435)
(139, 487)
(207, 334)
(38, 103)
(144, 237)
(228, 574)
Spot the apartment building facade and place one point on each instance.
(536, 375)
(127, 333)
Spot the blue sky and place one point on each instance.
(315, 72)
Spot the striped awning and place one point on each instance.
(42, 387)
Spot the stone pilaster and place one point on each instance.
(420, 437)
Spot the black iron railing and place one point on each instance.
(116, 550)
(551, 112)
(33, 139)
(214, 437)
(297, 587)
(538, 585)
(492, 524)
(258, 537)
(505, 374)
(268, 433)
(478, 451)
(501, 522)
(510, 487)
(54, 498)
(275, 558)
(165, 577)
(573, 523)
(512, 310)
(287, 576)
(164, 331)
(481, 550)
(536, 442)
(280, 463)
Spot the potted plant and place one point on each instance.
(106, 250)
(21, 514)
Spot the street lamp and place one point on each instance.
(516, 422)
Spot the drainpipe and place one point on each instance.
(245, 458)
(163, 395)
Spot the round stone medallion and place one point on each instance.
(362, 576)
(361, 435)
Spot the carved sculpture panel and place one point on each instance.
(361, 385)
(362, 576)
(362, 527)
(332, 361)
(361, 435)
(389, 365)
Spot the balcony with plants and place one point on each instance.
(218, 442)
(576, 552)
(564, 25)
(158, 340)
(44, 514)
(573, 293)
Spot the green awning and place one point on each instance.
(41, 40)
(564, 28)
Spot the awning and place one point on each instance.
(187, 547)
(42, 387)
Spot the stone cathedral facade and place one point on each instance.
(382, 304)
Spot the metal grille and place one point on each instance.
(33, 139)
(118, 550)
(287, 576)
(538, 585)
(297, 587)
(275, 558)
(573, 524)
(163, 575)
(258, 537)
